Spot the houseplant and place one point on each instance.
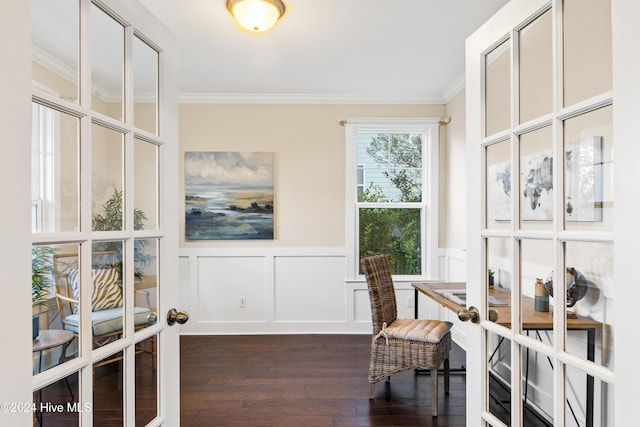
(41, 280)
(111, 219)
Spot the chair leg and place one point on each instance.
(446, 376)
(372, 390)
(434, 392)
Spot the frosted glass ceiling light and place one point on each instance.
(256, 15)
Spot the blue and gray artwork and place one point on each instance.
(228, 195)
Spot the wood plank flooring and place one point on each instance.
(272, 380)
(304, 380)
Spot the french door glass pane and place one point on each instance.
(54, 170)
(537, 388)
(590, 286)
(145, 185)
(146, 277)
(536, 279)
(58, 404)
(146, 382)
(500, 271)
(145, 86)
(586, 49)
(536, 179)
(55, 33)
(499, 183)
(108, 272)
(578, 400)
(107, 64)
(535, 68)
(499, 380)
(588, 171)
(107, 179)
(497, 107)
(55, 276)
(108, 401)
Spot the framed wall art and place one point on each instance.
(583, 180)
(228, 195)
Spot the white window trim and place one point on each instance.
(427, 126)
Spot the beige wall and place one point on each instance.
(453, 188)
(308, 143)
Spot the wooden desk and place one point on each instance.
(531, 320)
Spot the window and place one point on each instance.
(391, 194)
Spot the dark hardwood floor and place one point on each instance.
(304, 380)
(272, 380)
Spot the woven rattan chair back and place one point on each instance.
(381, 292)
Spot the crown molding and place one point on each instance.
(303, 98)
(455, 88)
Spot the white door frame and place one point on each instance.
(15, 121)
(626, 108)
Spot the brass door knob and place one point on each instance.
(174, 316)
(469, 314)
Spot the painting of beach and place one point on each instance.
(228, 195)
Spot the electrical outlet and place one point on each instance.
(410, 302)
(243, 302)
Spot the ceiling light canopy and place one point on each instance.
(256, 15)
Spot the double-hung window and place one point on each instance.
(392, 194)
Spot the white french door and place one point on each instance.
(99, 179)
(540, 141)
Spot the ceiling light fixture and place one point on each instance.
(256, 15)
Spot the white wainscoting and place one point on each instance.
(287, 290)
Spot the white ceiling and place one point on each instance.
(344, 51)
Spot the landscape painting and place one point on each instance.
(228, 195)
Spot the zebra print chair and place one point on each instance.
(106, 300)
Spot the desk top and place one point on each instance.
(531, 319)
(49, 338)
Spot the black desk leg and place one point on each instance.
(591, 353)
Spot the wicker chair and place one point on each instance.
(401, 344)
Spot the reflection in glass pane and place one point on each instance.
(395, 232)
(590, 287)
(56, 323)
(579, 400)
(107, 64)
(107, 179)
(500, 270)
(63, 394)
(54, 170)
(499, 361)
(536, 279)
(537, 388)
(587, 49)
(498, 89)
(391, 165)
(535, 68)
(55, 33)
(588, 171)
(107, 296)
(145, 185)
(146, 281)
(145, 86)
(536, 179)
(108, 402)
(146, 382)
(499, 184)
